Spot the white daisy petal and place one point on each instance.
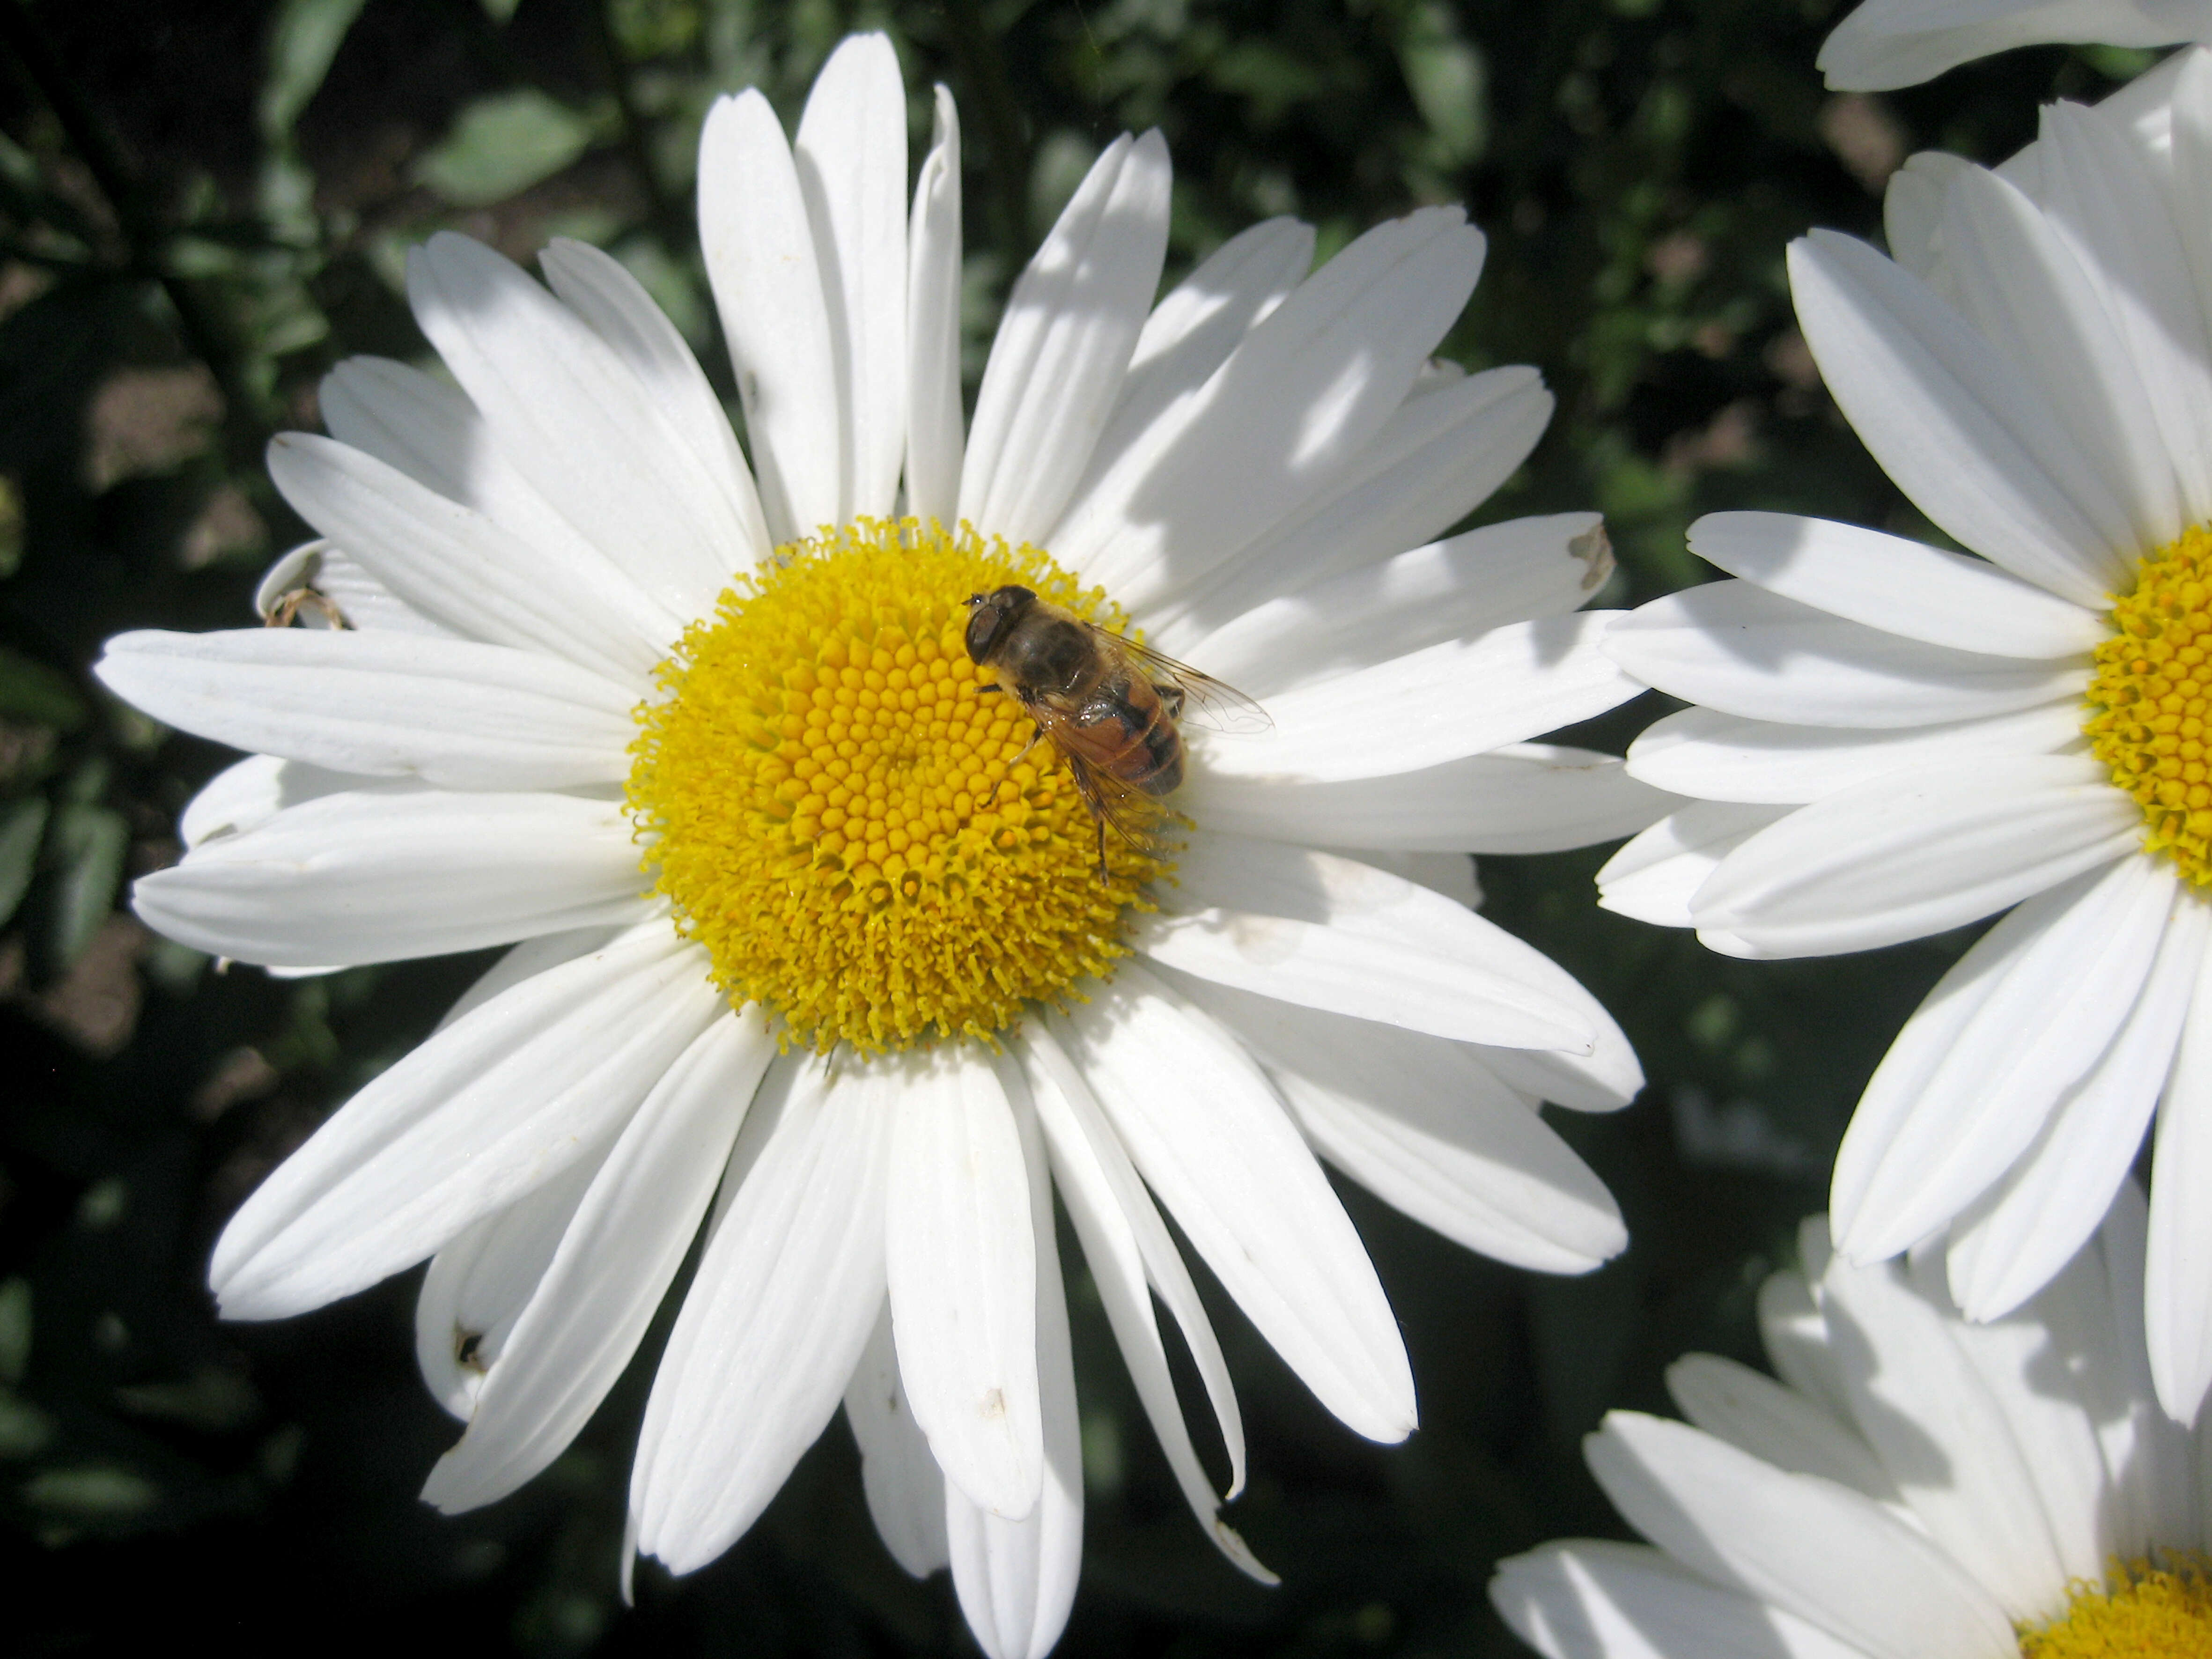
(1961, 431)
(1803, 1544)
(2178, 1271)
(360, 601)
(1434, 705)
(1299, 398)
(392, 871)
(1340, 935)
(2027, 1225)
(571, 417)
(1586, 1599)
(459, 569)
(1521, 798)
(474, 1118)
(763, 265)
(1426, 1127)
(1776, 1424)
(616, 1258)
(850, 154)
(1604, 1081)
(1917, 852)
(1488, 578)
(247, 795)
(596, 287)
(1064, 345)
(1735, 647)
(526, 961)
(451, 712)
(1126, 1245)
(903, 1486)
(1654, 877)
(1727, 757)
(1900, 586)
(934, 434)
(1016, 1578)
(1212, 1139)
(776, 1317)
(1885, 44)
(963, 1281)
(1972, 1078)
(1794, 1333)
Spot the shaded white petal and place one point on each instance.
(1912, 210)
(1584, 1599)
(1654, 877)
(1522, 797)
(1795, 1542)
(1735, 647)
(850, 154)
(461, 570)
(1775, 1424)
(1485, 579)
(1126, 1245)
(1716, 756)
(1975, 1071)
(247, 795)
(478, 1285)
(1433, 705)
(1441, 453)
(2029, 1223)
(1900, 586)
(1917, 852)
(472, 1119)
(1016, 1579)
(616, 1256)
(1212, 1138)
(2177, 1264)
(776, 1319)
(1796, 1335)
(361, 600)
(598, 288)
(1301, 396)
(1063, 346)
(531, 957)
(763, 265)
(2152, 1492)
(963, 1278)
(1961, 429)
(1343, 936)
(1428, 1129)
(904, 1488)
(1604, 1081)
(934, 434)
(452, 712)
(391, 871)
(571, 417)
(1900, 43)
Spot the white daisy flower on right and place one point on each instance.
(1914, 1487)
(1892, 740)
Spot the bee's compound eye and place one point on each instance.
(983, 626)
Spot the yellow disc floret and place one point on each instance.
(2151, 700)
(2146, 1611)
(839, 810)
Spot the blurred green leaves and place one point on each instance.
(503, 144)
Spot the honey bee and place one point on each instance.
(1109, 704)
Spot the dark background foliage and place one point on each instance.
(206, 203)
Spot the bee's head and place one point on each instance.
(991, 614)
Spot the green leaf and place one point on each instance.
(503, 144)
(15, 1329)
(304, 40)
(499, 10)
(100, 1492)
(29, 691)
(91, 841)
(1449, 82)
(20, 827)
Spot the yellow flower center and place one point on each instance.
(2152, 697)
(2149, 1612)
(844, 817)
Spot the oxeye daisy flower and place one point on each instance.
(1901, 43)
(1893, 739)
(1913, 1485)
(811, 945)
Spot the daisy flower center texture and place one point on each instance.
(863, 838)
(2148, 1611)
(2150, 697)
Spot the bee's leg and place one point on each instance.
(1171, 697)
(990, 690)
(1102, 877)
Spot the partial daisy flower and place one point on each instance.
(814, 943)
(1894, 740)
(1886, 44)
(1913, 1485)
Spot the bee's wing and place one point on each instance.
(1129, 813)
(1207, 702)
